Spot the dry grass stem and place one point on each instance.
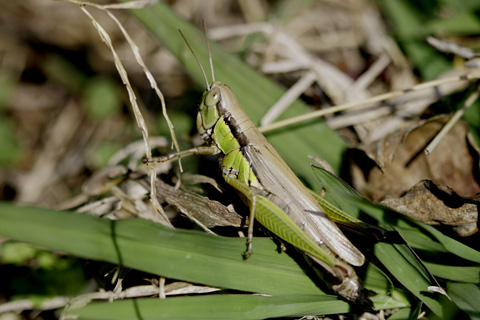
(172, 289)
(450, 47)
(378, 98)
(19, 306)
(124, 76)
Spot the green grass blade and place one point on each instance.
(397, 258)
(407, 314)
(213, 307)
(178, 254)
(419, 240)
(469, 274)
(466, 296)
(216, 307)
(336, 189)
(404, 267)
(255, 92)
(453, 245)
(142, 245)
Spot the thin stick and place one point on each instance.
(381, 97)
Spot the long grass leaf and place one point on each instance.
(184, 255)
(213, 307)
(216, 307)
(397, 258)
(466, 296)
(456, 273)
(400, 262)
(453, 245)
(142, 245)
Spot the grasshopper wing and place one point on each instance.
(289, 194)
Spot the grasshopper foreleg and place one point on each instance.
(208, 150)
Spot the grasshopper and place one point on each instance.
(276, 197)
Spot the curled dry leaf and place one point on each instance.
(432, 204)
(209, 213)
(179, 288)
(388, 168)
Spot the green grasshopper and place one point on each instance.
(276, 197)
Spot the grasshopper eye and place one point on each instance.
(212, 98)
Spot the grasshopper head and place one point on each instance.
(215, 103)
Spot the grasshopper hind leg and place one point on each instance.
(251, 222)
(249, 195)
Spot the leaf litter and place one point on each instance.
(405, 179)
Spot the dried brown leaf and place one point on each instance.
(433, 204)
(400, 162)
(131, 188)
(435, 189)
(208, 213)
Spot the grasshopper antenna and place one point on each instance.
(208, 48)
(195, 56)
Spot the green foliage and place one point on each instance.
(101, 98)
(214, 307)
(201, 258)
(40, 273)
(101, 153)
(10, 149)
(7, 85)
(185, 255)
(429, 242)
(58, 69)
(413, 21)
(183, 124)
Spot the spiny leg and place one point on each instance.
(251, 193)
(249, 251)
(208, 150)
